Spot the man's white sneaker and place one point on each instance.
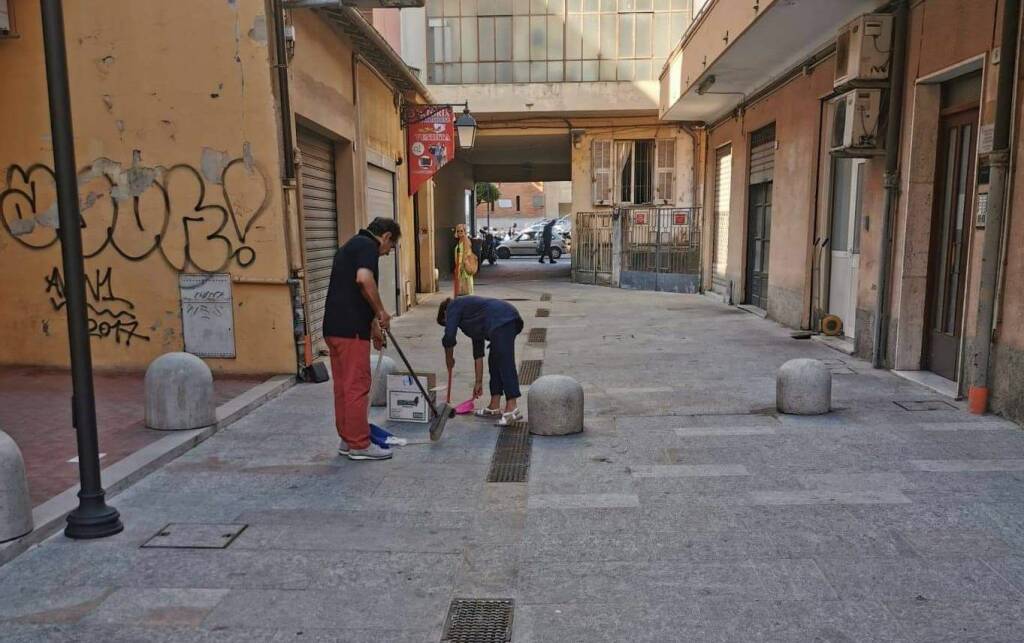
(372, 452)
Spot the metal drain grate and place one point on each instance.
(924, 405)
(537, 336)
(529, 370)
(515, 299)
(511, 460)
(545, 296)
(543, 312)
(184, 535)
(479, 620)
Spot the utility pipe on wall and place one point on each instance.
(880, 323)
(999, 163)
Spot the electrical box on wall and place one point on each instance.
(856, 123)
(5, 19)
(864, 49)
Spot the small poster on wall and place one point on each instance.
(430, 138)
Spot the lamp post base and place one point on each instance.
(96, 521)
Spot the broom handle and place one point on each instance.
(449, 385)
(416, 379)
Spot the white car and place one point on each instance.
(526, 244)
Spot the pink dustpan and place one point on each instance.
(464, 408)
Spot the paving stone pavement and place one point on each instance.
(687, 511)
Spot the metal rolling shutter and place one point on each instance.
(762, 155)
(319, 226)
(723, 194)
(380, 202)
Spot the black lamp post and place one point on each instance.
(93, 518)
(465, 124)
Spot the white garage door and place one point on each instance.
(380, 202)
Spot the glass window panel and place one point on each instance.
(436, 74)
(573, 71)
(521, 72)
(608, 37)
(555, 72)
(435, 8)
(521, 38)
(469, 7)
(590, 70)
(645, 70)
(607, 70)
(573, 37)
(453, 73)
(503, 7)
(678, 25)
(451, 7)
(591, 36)
(627, 5)
(469, 73)
(627, 24)
(451, 40)
(486, 27)
(554, 38)
(538, 72)
(538, 38)
(503, 38)
(661, 5)
(678, 5)
(645, 5)
(469, 39)
(607, 6)
(538, 7)
(858, 205)
(591, 6)
(521, 7)
(503, 73)
(662, 43)
(841, 175)
(644, 37)
(625, 70)
(485, 7)
(574, 6)
(556, 7)
(486, 72)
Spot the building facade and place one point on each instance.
(200, 233)
(809, 136)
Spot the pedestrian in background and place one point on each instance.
(354, 315)
(466, 263)
(545, 242)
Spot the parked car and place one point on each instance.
(527, 243)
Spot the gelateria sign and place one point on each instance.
(430, 137)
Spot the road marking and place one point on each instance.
(965, 466)
(689, 470)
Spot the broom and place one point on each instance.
(440, 416)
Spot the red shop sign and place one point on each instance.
(430, 139)
(640, 218)
(679, 218)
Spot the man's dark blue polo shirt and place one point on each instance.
(346, 312)
(478, 317)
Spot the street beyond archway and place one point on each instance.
(688, 510)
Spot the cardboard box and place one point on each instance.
(405, 401)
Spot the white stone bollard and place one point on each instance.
(15, 503)
(379, 393)
(179, 393)
(555, 405)
(804, 387)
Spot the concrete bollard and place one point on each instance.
(15, 503)
(179, 393)
(555, 405)
(804, 387)
(379, 393)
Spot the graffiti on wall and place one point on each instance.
(196, 218)
(110, 316)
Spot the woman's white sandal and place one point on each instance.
(510, 418)
(487, 413)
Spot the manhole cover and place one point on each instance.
(194, 535)
(529, 370)
(924, 405)
(543, 312)
(479, 620)
(511, 459)
(545, 296)
(537, 336)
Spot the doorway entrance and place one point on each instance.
(759, 215)
(847, 198)
(951, 228)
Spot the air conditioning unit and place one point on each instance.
(5, 19)
(864, 49)
(857, 123)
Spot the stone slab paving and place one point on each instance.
(687, 510)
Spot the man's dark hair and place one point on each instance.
(380, 225)
(442, 311)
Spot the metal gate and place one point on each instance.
(319, 226)
(661, 249)
(592, 248)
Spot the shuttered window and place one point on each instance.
(601, 171)
(319, 226)
(723, 192)
(762, 155)
(665, 171)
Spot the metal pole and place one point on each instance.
(93, 518)
(999, 163)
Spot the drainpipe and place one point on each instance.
(999, 163)
(880, 324)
